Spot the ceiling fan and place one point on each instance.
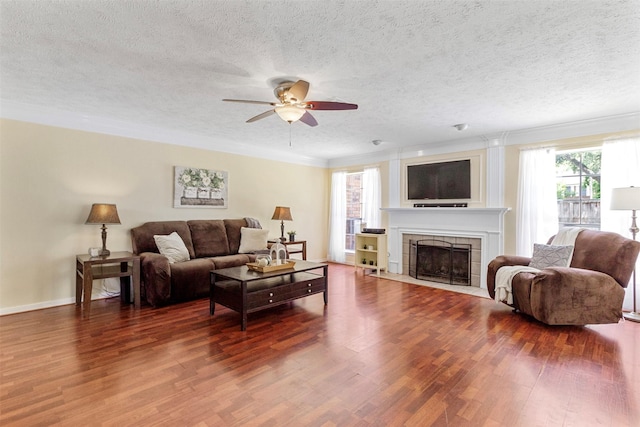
(292, 106)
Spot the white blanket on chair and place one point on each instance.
(504, 276)
(567, 237)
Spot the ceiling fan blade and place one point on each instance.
(261, 116)
(308, 119)
(245, 101)
(326, 105)
(299, 91)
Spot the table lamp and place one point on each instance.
(103, 213)
(628, 199)
(283, 214)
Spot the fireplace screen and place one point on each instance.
(440, 261)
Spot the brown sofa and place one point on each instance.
(589, 291)
(211, 244)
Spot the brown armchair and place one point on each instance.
(590, 291)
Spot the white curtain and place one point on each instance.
(620, 168)
(371, 195)
(338, 217)
(537, 215)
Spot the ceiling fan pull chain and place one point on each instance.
(289, 134)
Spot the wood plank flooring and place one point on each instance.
(382, 353)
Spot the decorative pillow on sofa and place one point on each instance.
(550, 256)
(172, 247)
(252, 239)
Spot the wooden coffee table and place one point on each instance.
(247, 291)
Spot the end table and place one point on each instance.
(124, 265)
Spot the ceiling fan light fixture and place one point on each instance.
(290, 113)
(292, 107)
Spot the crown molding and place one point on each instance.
(85, 122)
(362, 159)
(596, 126)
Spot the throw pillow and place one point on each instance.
(252, 222)
(172, 247)
(252, 239)
(550, 256)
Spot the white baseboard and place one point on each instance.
(47, 304)
(36, 306)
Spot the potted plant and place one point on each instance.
(292, 236)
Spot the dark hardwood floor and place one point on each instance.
(382, 353)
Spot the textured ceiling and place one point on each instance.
(415, 68)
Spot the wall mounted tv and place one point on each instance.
(439, 181)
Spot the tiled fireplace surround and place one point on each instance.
(483, 228)
(475, 252)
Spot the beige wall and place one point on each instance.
(49, 177)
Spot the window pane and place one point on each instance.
(354, 209)
(590, 212)
(578, 188)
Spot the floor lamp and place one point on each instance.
(628, 199)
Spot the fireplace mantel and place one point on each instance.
(486, 224)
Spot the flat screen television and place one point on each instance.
(439, 181)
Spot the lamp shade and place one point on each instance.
(103, 213)
(290, 113)
(625, 199)
(282, 213)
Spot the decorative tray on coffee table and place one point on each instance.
(285, 264)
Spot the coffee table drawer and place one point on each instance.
(309, 286)
(268, 297)
(283, 293)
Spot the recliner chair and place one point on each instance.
(589, 291)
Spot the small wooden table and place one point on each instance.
(302, 250)
(124, 265)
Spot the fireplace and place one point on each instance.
(440, 261)
(459, 225)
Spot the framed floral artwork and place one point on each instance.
(199, 188)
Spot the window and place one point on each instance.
(354, 209)
(355, 200)
(578, 188)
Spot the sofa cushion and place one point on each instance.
(191, 279)
(172, 247)
(575, 296)
(545, 256)
(142, 237)
(252, 240)
(209, 237)
(231, 260)
(233, 227)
